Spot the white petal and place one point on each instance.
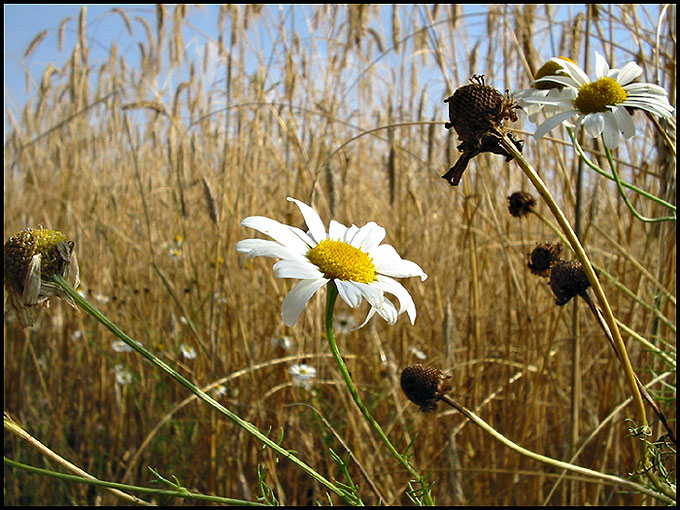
(368, 236)
(601, 66)
(297, 298)
(266, 248)
(610, 132)
(388, 262)
(350, 233)
(277, 231)
(336, 230)
(629, 72)
(594, 124)
(562, 80)
(397, 289)
(624, 121)
(33, 281)
(303, 270)
(388, 312)
(552, 122)
(373, 294)
(317, 230)
(577, 74)
(349, 293)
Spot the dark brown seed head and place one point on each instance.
(424, 385)
(477, 109)
(520, 204)
(544, 257)
(568, 279)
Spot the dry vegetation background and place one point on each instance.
(123, 160)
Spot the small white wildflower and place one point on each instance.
(219, 391)
(102, 298)
(344, 323)
(187, 351)
(302, 375)
(417, 352)
(76, 335)
(120, 346)
(282, 341)
(123, 375)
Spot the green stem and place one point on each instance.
(609, 318)
(155, 360)
(667, 498)
(331, 296)
(625, 198)
(611, 177)
(178, 493)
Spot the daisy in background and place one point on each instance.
(350, 257)
(302, 375)
(602, 106)
(543, 89)
(187, 351)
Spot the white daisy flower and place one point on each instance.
(602, 106)
(351, 257)
(123, 375)
(302, 375)
(120, 346)
(219, 391)
(187, 351)
(539, 90)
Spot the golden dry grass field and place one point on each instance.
(149, 169)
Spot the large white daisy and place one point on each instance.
(351, 257)
(601, 106)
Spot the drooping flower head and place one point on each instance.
(32, 257)
(350, 257)
(601, 105)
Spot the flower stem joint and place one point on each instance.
(477, 112)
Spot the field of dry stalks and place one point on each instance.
(150, 176)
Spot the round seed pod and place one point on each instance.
(568, 279)
(544, 257)
(477, 108)
(521, 203)
(424, 385)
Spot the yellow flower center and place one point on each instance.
(336, 259)
(550, 68)
(596, 96)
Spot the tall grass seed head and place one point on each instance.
(31, 258)
(424, 385)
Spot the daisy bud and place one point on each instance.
(424, 385)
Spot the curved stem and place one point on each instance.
(549, 460)
(331, 296)
(597, 169)
(625, 198)
(609, 318)
(247, 426)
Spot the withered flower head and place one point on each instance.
(521, 203)
(424, 385)
(568, 279)
(477, 112)
(544, 257)
(32, 257)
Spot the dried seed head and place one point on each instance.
(568, 279)
(520, 204)
(477, 112)
(544, 257)
(32, 257)
(424, 385)
(477, 109)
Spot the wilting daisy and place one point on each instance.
(603, 105)
(32, 258)
(351, 257)
(302, 375)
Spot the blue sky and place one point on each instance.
(24, 22)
